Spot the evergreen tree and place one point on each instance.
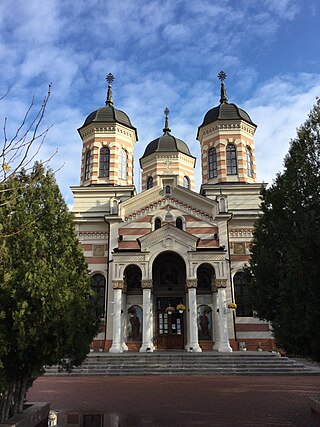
(45, 317)
(285, 270)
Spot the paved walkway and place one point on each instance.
(183, 401)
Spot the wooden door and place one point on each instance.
(169, 326)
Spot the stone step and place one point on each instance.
(240, 363)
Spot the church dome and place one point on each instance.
(166, 142)
(108, 113)
(225, 111)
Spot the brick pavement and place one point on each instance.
(183, 401)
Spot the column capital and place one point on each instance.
(220, 283)
(118, 284)
(146, 284)
(191, 283)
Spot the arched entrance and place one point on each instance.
(169, 278)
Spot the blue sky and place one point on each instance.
(162, 53)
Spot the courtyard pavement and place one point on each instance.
(182, 401)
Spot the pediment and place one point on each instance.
(187, 201)
(169, 237)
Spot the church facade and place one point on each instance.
(166, 263)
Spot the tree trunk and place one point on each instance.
(22, 392)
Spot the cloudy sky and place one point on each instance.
(163, 53)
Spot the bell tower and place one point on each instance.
(108, 141)
(227, 145)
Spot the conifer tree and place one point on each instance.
(45, 315)
(285, 268)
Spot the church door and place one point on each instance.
(169, 280)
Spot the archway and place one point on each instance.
(169, 278)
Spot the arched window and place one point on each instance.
(186, 182)
(240, 291)
(249, 161)
(123, 157)
(133, 279)
(104, 162)
(98, 284)
(87, 165)
(149, 182)
(212, 163)
(179, 223)
(231, 160)
(168, 189)
(157, 223)
(205, 277)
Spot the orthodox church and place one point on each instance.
(166, 263)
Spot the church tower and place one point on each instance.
(170, 156)
(227, 146)
(108, 140)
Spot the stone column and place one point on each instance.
(193, 343)
(147, 326)
(216, 319)
(117, 340)
(223, 345)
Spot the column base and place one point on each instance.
(116, 348)
(145, 348)
(222, 347)
(124, 346)
(193, 348)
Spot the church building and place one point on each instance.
(166, 263)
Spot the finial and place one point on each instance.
(223, 94)
(166, 124)
(109, 79)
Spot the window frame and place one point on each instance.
(231, 158)
(212, 163)
(249, 161)
(123, 164)
(87, 165)
(104, 162)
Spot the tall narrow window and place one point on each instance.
(98, 284)
(240, 291)
(231, 160)
(157, 223)
(87, 165)
(212, 163)
(179, 223)
(249, 161)
(149, 182)
(104, 162)
(123, 164)
(186, 182)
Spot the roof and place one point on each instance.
(166, 142)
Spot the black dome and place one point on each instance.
(225, 111)
(166, 142)
(109, 114)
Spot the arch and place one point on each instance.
(104, 164)
(87, 165)
(149, 182)
(132, 277)
(204, 317)
(205, 278)
(186, 182)
(123, 160)
(98, 285)
(249, 161)
(168, 189)
(134, 323)
(169, 273)
(212, 163)
(232, 168)
(179, 223)
(244, 309)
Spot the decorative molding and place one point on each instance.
(118, 284)
(239, 248)
(128, 258)
(241, 233)
(98, 250)
(92, 235)
(207, 257)
(146, 284)
(220, 283)
(191, 283)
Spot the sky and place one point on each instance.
(163, 53)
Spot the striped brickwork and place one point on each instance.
(168, 163)
(219, 136)
(116, 138)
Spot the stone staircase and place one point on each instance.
(183, 363)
